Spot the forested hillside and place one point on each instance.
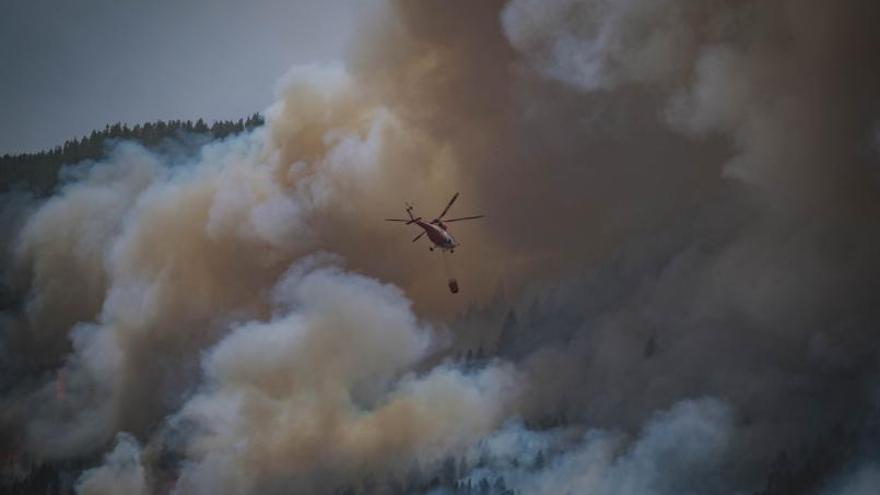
(38, 172)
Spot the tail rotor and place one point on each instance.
(409, 212)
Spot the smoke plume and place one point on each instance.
(674, 289)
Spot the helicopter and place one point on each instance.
(436, 229)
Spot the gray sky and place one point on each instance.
(70, 66)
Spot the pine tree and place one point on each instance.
(507, 336)
(201, 127)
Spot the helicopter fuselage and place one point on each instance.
(438, 234)
(436, 229)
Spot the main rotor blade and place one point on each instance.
(449, 205)
(419, 236)
(396, 220)
(463, 218)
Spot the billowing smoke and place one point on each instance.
(681, 450)
(675, 289)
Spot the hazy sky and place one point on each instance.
(70, 66)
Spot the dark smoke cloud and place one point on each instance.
(682, 205)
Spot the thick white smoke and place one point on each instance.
(121, 472)
(324, 392)
(599, 45)
(681, 450)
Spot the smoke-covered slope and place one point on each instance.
(677, 279)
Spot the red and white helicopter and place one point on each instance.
(436, 229)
